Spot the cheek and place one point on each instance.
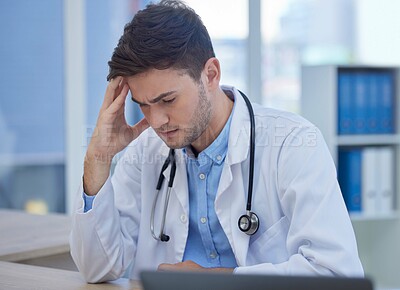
(187, 112)
(182, 117)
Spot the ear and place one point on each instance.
(212, 73)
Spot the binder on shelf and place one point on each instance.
(350, 178)
(360, 102)
(366, 177)
(385, 175)
(369, 182)
(345, 120)
(386, 104)
(372, 103)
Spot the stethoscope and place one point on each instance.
(248, 223)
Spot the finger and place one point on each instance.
(114, 87)
(120, 87)
(119, 101)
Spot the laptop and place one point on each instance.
(152, 280)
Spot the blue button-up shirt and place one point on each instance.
(207, 244)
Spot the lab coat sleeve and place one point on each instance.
(320, 238)
(103, 240)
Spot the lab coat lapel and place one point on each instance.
(239, 139)
(231, 197)
(229, 206)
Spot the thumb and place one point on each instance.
(139, 127)
(166, 267)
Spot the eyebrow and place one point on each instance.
(156, 99)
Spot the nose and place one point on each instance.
(156, 117)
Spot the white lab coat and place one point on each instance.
(304, 226)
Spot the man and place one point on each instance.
(166, 60)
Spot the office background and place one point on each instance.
(54, 57)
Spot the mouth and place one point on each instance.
(168, 134)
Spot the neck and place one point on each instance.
(221, 109)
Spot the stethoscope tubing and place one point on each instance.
(252, 150)
(171, 158)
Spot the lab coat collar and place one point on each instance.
(239, 135)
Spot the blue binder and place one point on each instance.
(345, 120)
(349, 177)
(359, 91)
(386, 103)
(372, 103)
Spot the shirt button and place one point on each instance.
(202, 176)
(183, 218)
(203, 220)
(213, 255)
(219, 157)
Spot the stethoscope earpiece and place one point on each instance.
(247, 223)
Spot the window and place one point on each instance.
(31, 105)
(228, 29)
(297, 32)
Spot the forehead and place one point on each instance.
(156, 75)
(154, 82)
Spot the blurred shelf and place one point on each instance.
(374, 217)
(376, 139)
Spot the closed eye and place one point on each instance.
(143, 105)
(168, 101)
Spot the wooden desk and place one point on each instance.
(21, 277)
(35, 239)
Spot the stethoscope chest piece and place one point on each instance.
(248, 223)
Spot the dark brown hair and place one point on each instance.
(164, 35)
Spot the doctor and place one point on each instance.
(202, 219)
